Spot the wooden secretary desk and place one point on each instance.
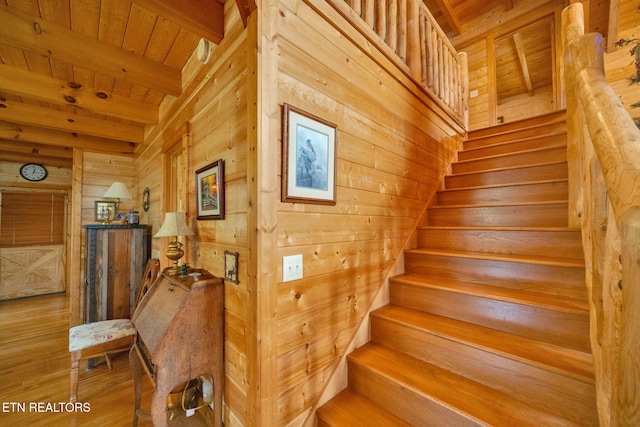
(179, 342)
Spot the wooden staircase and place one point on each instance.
(489, 325)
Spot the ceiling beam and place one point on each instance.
(18, 112)
(33, 134)
(27, 32)
(517, 38)
(507, 22)
(16, 157)
(23, 83)
(205, 18)
(450, 16)
(18, 151)
(246, 8)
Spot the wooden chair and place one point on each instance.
(106, 337)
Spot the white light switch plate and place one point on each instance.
(291, 267)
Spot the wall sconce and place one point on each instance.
(118, 190)
(174, 225)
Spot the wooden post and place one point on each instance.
(627, 384)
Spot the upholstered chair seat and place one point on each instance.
(106, 337)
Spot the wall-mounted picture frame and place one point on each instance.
(105, 211)
(309, 146)
(210, 191)
(231, 266)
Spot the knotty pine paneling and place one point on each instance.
(392, 151)
(213, 108)
(618, 64)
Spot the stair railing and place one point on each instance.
(408, 34)
(604, 176)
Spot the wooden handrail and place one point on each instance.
(604, 170)
(409, 35)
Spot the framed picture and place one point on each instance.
(210, 191)
(231, 266)
(105, 211)
(308, 158)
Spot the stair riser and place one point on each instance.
(504, 177)
(557, 393)
(516, 160)
(512, 147)
(531, 193)
(564, 244)
(405, 402)
(482, 139)
(561, 328)
(541, 278)
(546, 215)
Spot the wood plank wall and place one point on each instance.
(619, 65)
(392, 150)
(93, 173)
(209, 122)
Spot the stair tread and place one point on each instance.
(569, 362)
(518, 184)
(507, 168)
(349, 408)
(470, 147)
(543, 121)
(515, 296)
(501, 228)
(509, 257)
(497, 205)
(504, 155)
(470, 398)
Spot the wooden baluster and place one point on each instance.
(430, 55)
(392, 25)
(402, 30)
(414, 40)
(356, 5)
(369, 12)
(441, 68)
(381, 19)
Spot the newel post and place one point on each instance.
(572, 29)
(626, 395)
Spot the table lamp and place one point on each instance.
(118, 190)
(174, 225)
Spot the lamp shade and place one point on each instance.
(118, 191)
(174, 225)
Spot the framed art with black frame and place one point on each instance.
(210, 191)
(308, 158)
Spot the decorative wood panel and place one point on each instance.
(29, 271)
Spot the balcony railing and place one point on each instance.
(409, 35)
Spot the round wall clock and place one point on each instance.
(33, 172)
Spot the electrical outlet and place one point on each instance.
(473, 93)
(291, 268)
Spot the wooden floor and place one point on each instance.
(34, 372)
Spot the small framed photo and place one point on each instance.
(231, 266)
(210, 191)
(105, 211)
(308, 158)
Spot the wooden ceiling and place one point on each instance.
(93, 73)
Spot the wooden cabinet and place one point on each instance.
(115, 258)
(180, 329)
